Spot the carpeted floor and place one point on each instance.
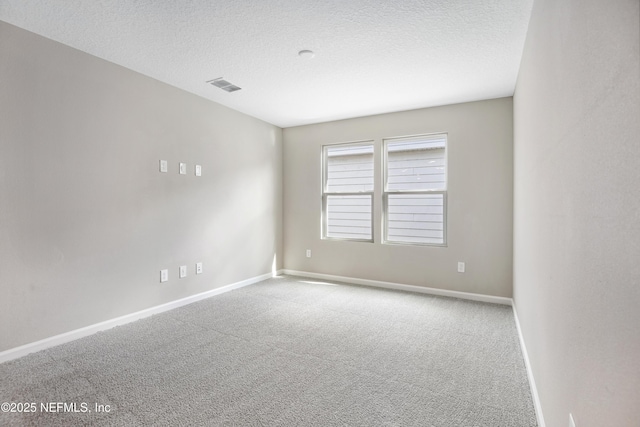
(288, 351)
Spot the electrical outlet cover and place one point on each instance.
(163, 166)
(199, 268)
(198, 170)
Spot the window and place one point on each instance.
(347, 196)
(415, 190)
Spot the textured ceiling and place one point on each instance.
(370, 56)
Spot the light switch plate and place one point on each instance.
(164, 275)
(163, 166)
(198, 268)
(183, 271)
(461, 267)
(183, 168)
(198, 170)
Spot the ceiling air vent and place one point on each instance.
(224, 85)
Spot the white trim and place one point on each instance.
(66, 337)
(532, 382)
(410, 288)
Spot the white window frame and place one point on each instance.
(326, 193)
(386, 192)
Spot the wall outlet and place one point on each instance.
(163, 166)
(571, 422)
(461, 267)
(164, 275)
(198, 170)
(183, 271)
(198, 268)
(308, 253)
(183, 168)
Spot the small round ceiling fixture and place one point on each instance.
(306, 54)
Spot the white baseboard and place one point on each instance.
(23, 350)
(532, 381)
(398, 286)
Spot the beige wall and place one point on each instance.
(577, 209)
(86, 219)
(479, 201)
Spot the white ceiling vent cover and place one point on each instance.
(224, 85)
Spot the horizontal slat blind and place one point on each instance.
(349, 217)
(418, 168)
(415, 218)
(348, 169)
(415, 186)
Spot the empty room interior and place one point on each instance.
(292, 213)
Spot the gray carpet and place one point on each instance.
(288, 351)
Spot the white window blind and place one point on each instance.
(348, 191)
(349, 217)
(415, 190)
